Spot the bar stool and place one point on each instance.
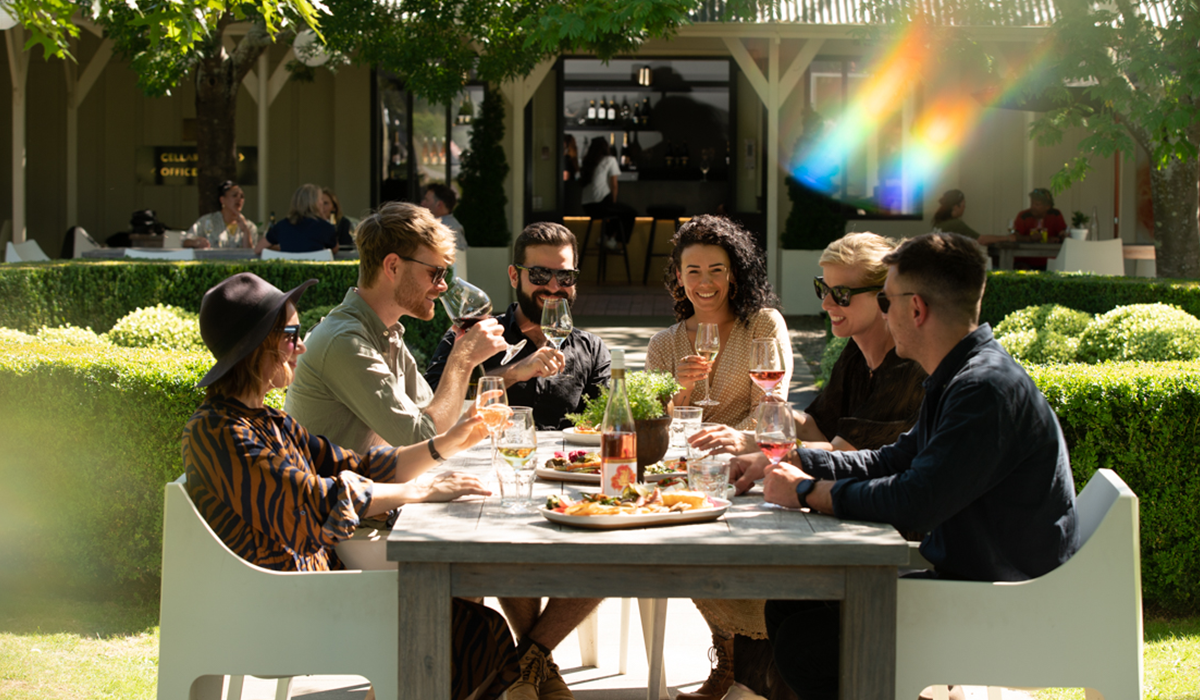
(610, 224)
(671, 212)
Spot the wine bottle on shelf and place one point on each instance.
(618, 435)
(670, 154)
(625, 113)
(624, 159)
(591, 113)
(645, 111)
(612, 111)
(637, 113)
(683, 155)
(612, 148)
(602, 111)
(634, 152)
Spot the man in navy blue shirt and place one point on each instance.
(984, 471)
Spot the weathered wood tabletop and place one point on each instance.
(476, 548)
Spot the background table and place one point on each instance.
(203, 254)
(1007, 251)
(475, 548)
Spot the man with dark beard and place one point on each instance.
(544, 266)
(553, 383)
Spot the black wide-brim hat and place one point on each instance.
(237, 315)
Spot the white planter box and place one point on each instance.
(487, 268)
(796, 282)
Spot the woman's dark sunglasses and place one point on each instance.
(541, 275)
(292, 333)
(841, 295)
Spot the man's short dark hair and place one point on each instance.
(545, 233)
(948, 269)
(444, 194)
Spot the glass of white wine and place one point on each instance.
(491, 403)
(517, 447)
(557, 323)
(708, 342)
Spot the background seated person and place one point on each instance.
(306, 228)
(948, 219)
(1041, 215)
(226, 227)
(281, 498)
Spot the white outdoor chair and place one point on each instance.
(1099, 257)
(150, 254)
(29, 251)
(83, 242)
(325, 254)
(1079, 626)
(221, 615)
(366, 550)
(172, 239)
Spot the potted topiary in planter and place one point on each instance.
(650, 401)
(1079, 222)
(481, 210)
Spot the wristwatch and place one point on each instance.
(804, 488)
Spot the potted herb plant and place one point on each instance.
(1079, 222)
(650, 400)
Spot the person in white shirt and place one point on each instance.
(599, 178)
(440, 200)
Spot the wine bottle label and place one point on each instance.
(616, 474)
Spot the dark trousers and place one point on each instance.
(606, 208)
(806, 637)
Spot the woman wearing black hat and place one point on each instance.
(280, 497)
(226, 227)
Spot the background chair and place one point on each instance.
(1099, 257)
(82, 242)
(324, 254)
(172, 239)
(1079, 626)
(147, 254)
(29, 251)
(221, 615)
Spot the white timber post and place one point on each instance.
(263, 91)
(18, 68)
(78, 87)
(519, 91)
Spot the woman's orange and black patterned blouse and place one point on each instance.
(276, 495)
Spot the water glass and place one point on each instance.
(685, 421)
(709, 476)
(517, 448)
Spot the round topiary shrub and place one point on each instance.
(159, 326)
(8, 335)
(70, 335)
(311, 317)
(829, 358)
(1040, 347)
(1047, 317)
(1149, 332)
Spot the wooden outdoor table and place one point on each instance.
(1007, 251)
(202, 254)
(474, 548)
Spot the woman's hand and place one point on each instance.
(690, 370)
(448, 486)
(464, 434)
(723, 439)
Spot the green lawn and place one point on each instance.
(54, 648)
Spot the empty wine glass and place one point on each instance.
(766, 365)
(491, 403)
(557, 323)
(775, 431)
(467, 305)
(708, 342)
(517, 445)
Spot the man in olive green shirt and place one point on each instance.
(358, 384)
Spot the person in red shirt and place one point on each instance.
(1041, 214)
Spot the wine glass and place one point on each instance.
(491, 403)
(557, 323)
(467, 305)
(766, 365)
(775, 431)
(517, 446)
(706, 155)
(708, 342)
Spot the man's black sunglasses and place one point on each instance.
(292, 333)
(439, 273)
(541, 275)
(841, 295)
(885, 301)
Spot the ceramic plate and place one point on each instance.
(617, 522)
(548, 474)
(581, 438)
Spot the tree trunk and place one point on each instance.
(218, 80)
(1175, 192)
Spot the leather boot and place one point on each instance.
(554, 686)
(721, 678)
(533, 672)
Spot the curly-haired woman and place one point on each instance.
(716, 275)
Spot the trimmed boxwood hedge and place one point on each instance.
(1142, 420)
(98, 293)
(1011, 291)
